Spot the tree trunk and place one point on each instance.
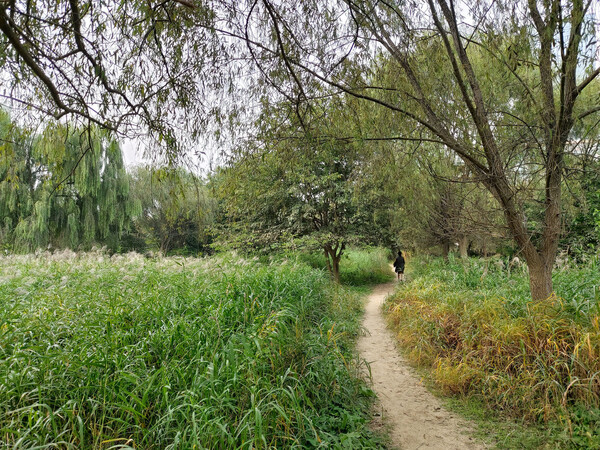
(333, 255)
(540, 280)
(445, 249)
(463, 246)
(336, 269)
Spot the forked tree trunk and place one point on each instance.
(336, 269)
(333, 255)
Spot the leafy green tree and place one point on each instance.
(63, 188)
(425, 200)
(19, 173)
(295, 186)
(177, 209)
(418, 192)
(389, 193)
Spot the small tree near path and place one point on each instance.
(295, 187)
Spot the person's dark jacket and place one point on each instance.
(399, 263)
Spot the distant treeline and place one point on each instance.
(69, 188)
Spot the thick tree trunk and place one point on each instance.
(333, 255)
(463, 246)
(540, 280)
(165, 246)
(336, 269)
(539, 263)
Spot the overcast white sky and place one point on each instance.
(201, 164)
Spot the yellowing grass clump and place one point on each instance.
(477, 331)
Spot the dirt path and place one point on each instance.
(415, 418)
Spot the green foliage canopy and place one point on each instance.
(296, 185)
(63, 188)
(176, 209)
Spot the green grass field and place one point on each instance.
(472, 326)
(127, 352)
(358, 267)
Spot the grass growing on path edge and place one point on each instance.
(126, 352)
(471, 326)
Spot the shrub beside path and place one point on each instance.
(415, 418)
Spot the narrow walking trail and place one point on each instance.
(415, 418)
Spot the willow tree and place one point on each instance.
(89, 190)
(525, 125)
(19, 174)
(64, 188)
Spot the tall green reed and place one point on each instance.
(176, 353)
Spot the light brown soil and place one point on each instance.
(414, 418)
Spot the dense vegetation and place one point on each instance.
(471, 324)
(67, 188)
(439, 130)
(124, 351)
(505, 91)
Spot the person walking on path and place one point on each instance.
(399, 266)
